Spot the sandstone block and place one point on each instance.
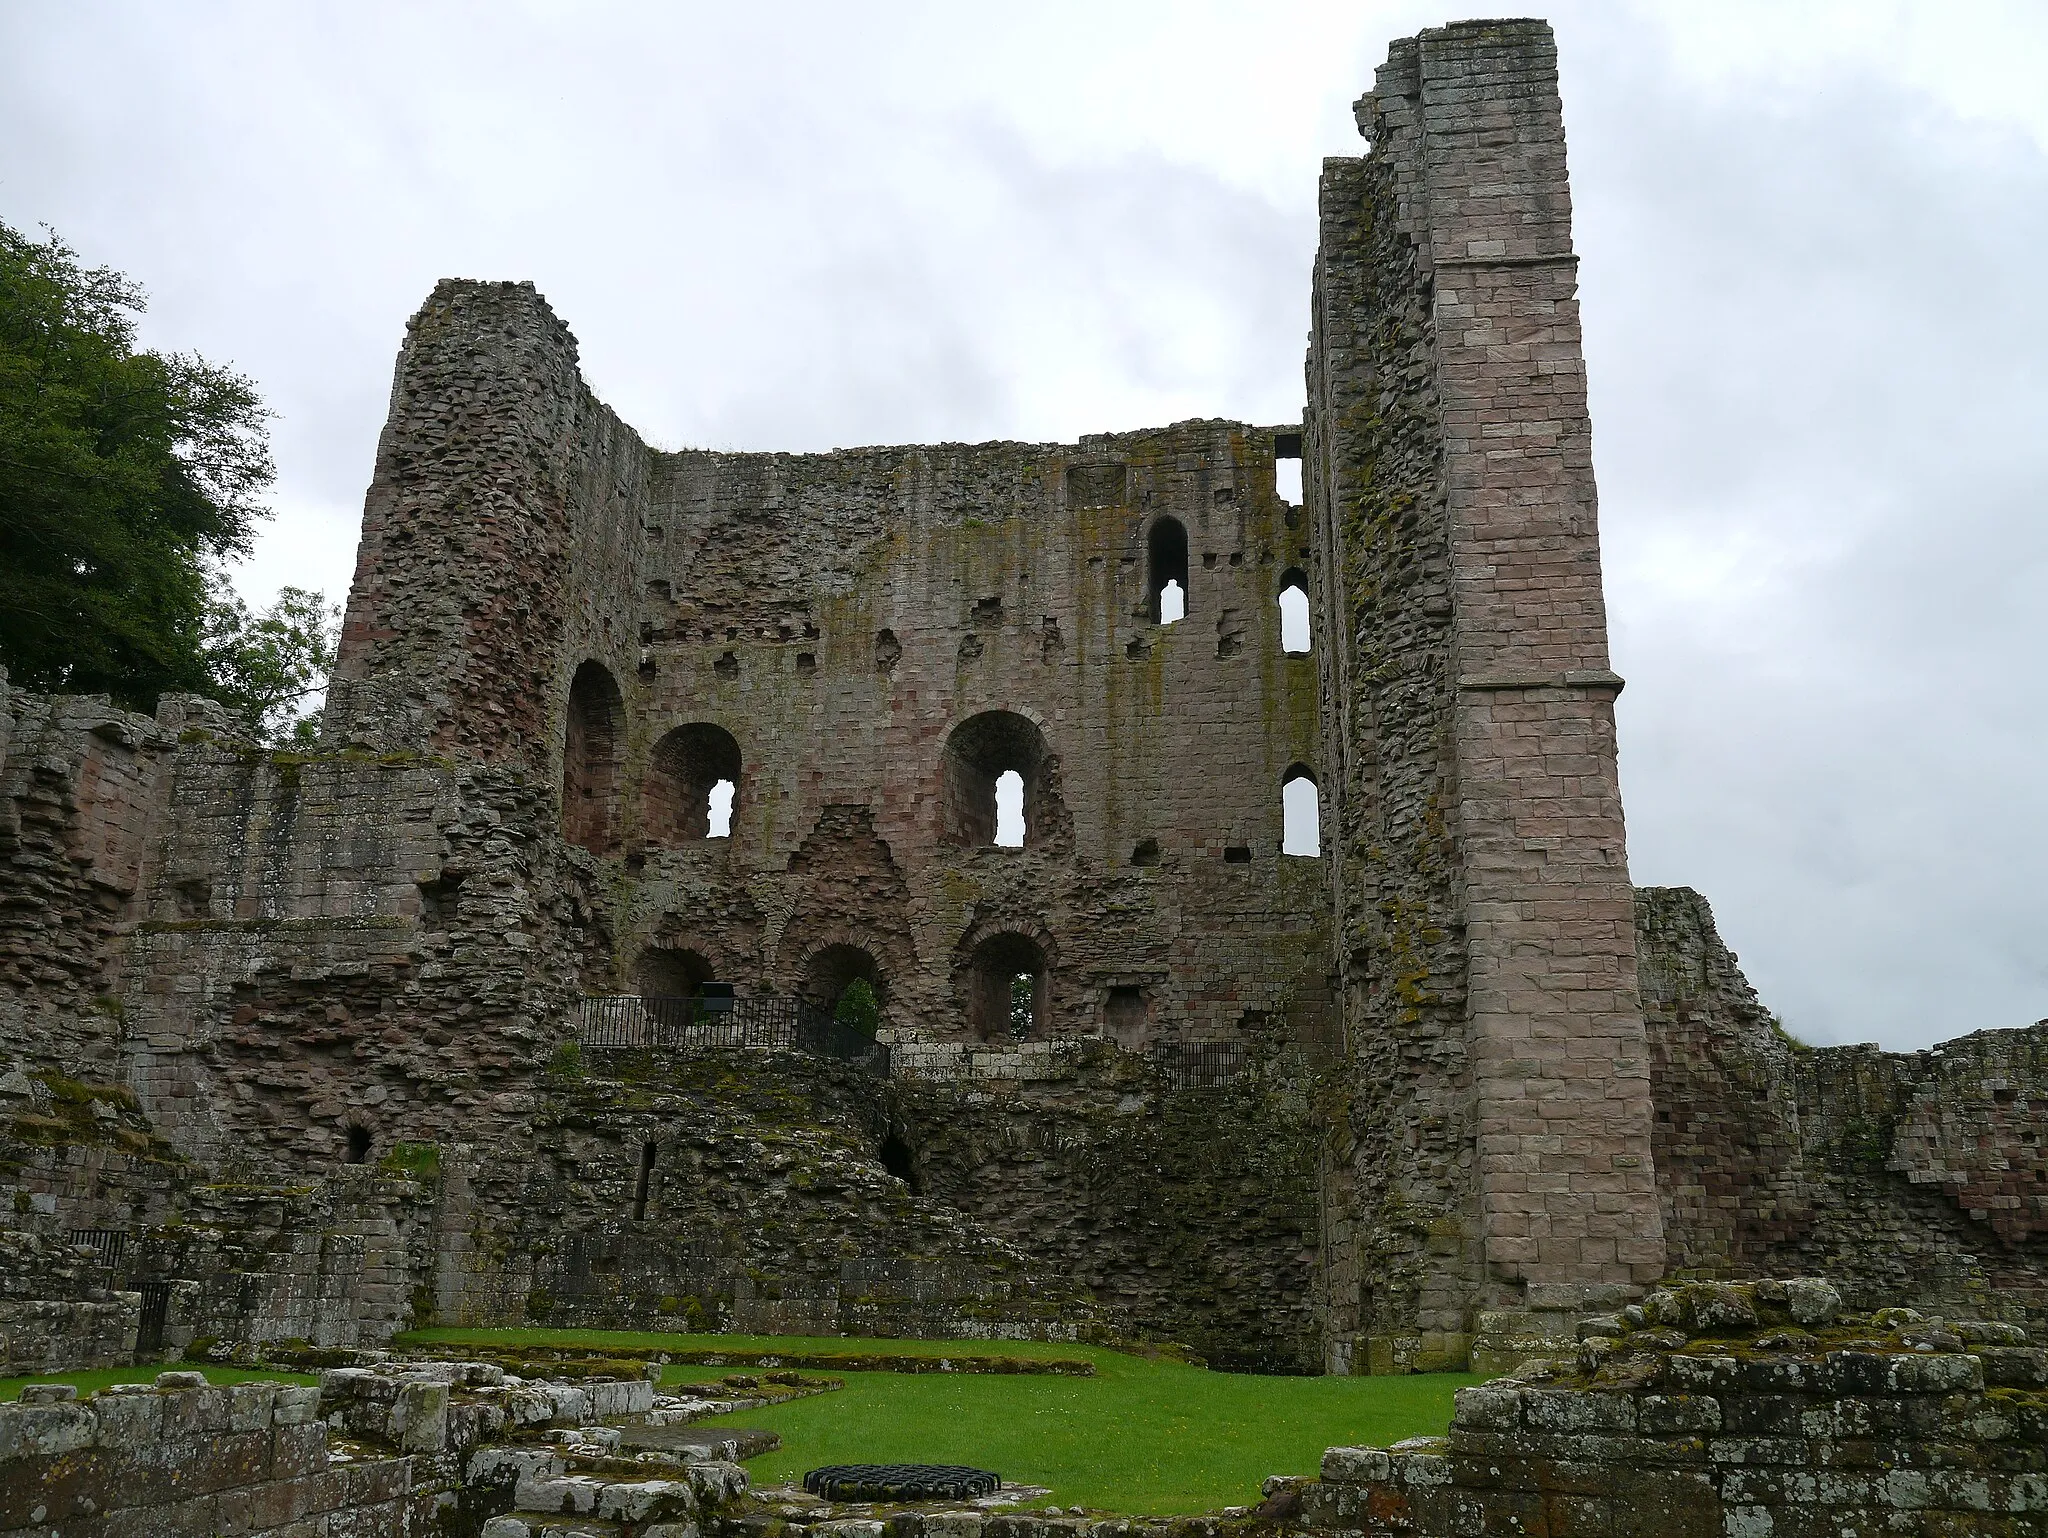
(1361, 1465)
(294, 1404)
(44, 1431)
(641, 1500)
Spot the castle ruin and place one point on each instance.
(517, 1000)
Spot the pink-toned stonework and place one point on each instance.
(431, 1024)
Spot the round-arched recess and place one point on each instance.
(593, 751)
(668, 979)
(835, 968)
(980, 751)
(1296, 634)
(679, 801)
(1301, 813)
(1007, 994)
(1166, 560)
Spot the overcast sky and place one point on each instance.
(1812, 240)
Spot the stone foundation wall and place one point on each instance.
(1723, 1410)
(193, 1462)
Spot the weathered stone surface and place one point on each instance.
(306, 1047)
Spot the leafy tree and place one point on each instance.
(1023, 996)
(267, 665)
(859, 1008)
(127, 480)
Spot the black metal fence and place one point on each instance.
(766, 1022)
(1198, 1064)
(107, 1244)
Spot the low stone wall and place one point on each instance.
(40, 1335)
(184, 1460)
(1723, 1411)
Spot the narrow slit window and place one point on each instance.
(1010, 809)
(647, 1151)
(720, 811)
(1301, 815)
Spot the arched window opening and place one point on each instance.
(1008, 989)
(358, 1150)
(832, 972)
(647, 1151)
(1010, 809)
(983, 753)
(593, 749)
(692, 784)
(899, 1161)
(669, 981)
(1301, 827)
(1166, 567)
(1294, 626)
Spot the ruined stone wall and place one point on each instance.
(1730, 1410)
(1910, 1175)
(186, 1459)
(840, 615)
(1500, 1116)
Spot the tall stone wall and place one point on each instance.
(1500, 1119)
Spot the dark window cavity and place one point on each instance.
(647, 1151)
(692, 783)
(994, 789)
(593, 751)
(898, 1160)
(1166, 571)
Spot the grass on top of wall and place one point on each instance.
(1146, 1436)
(92, 1379)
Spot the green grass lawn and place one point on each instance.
(596, 1340)
(93, 1379)
(1141, 1436)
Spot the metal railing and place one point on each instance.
(1198, 1064)
(107, 1244)
(764, 1022)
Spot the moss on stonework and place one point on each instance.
(419, 1160)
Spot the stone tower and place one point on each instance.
(1496, 1157)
